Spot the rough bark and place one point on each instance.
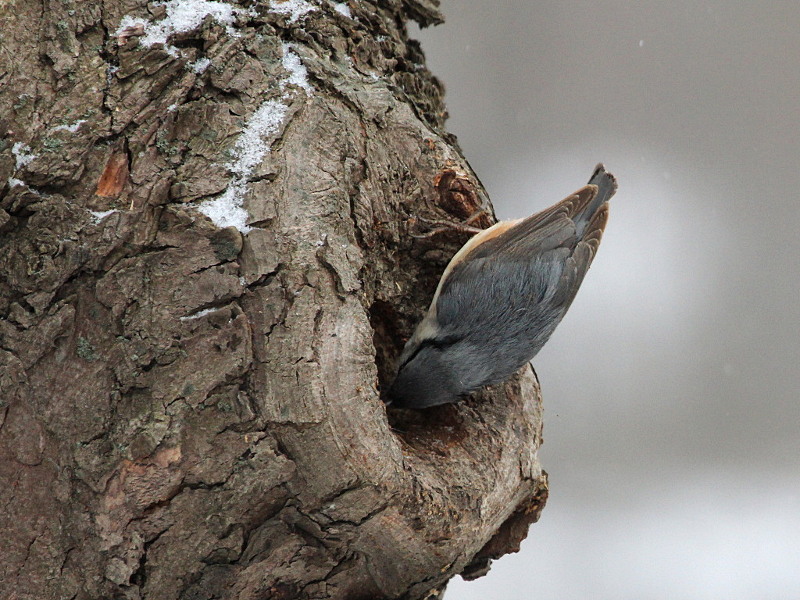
(189, 411)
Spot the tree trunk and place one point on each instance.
(208, 269)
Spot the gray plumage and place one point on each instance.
(501, 297)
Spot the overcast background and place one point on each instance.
(672, 418)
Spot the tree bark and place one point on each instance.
(208, 268)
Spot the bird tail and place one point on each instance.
(606, 187)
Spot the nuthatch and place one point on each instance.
(501, 297)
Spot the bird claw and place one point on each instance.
(447, 226)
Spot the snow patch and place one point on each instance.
(298, 74)
(183, 16)
(13, 182)
(228, 210)
(71, 128)
(198, 314)
(98, 216)
(296, 9)
(22, 152)
(250, 149)
(200, 65)
(343, 9)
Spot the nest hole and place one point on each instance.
(432, 429)
(388, 339)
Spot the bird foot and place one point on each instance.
(438, 227)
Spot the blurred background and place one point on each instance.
(672, 419)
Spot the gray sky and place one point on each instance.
(672, 423)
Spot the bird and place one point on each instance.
(501, 297)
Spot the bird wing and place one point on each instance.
(504, 261)
(581, 258)
(546, 230)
